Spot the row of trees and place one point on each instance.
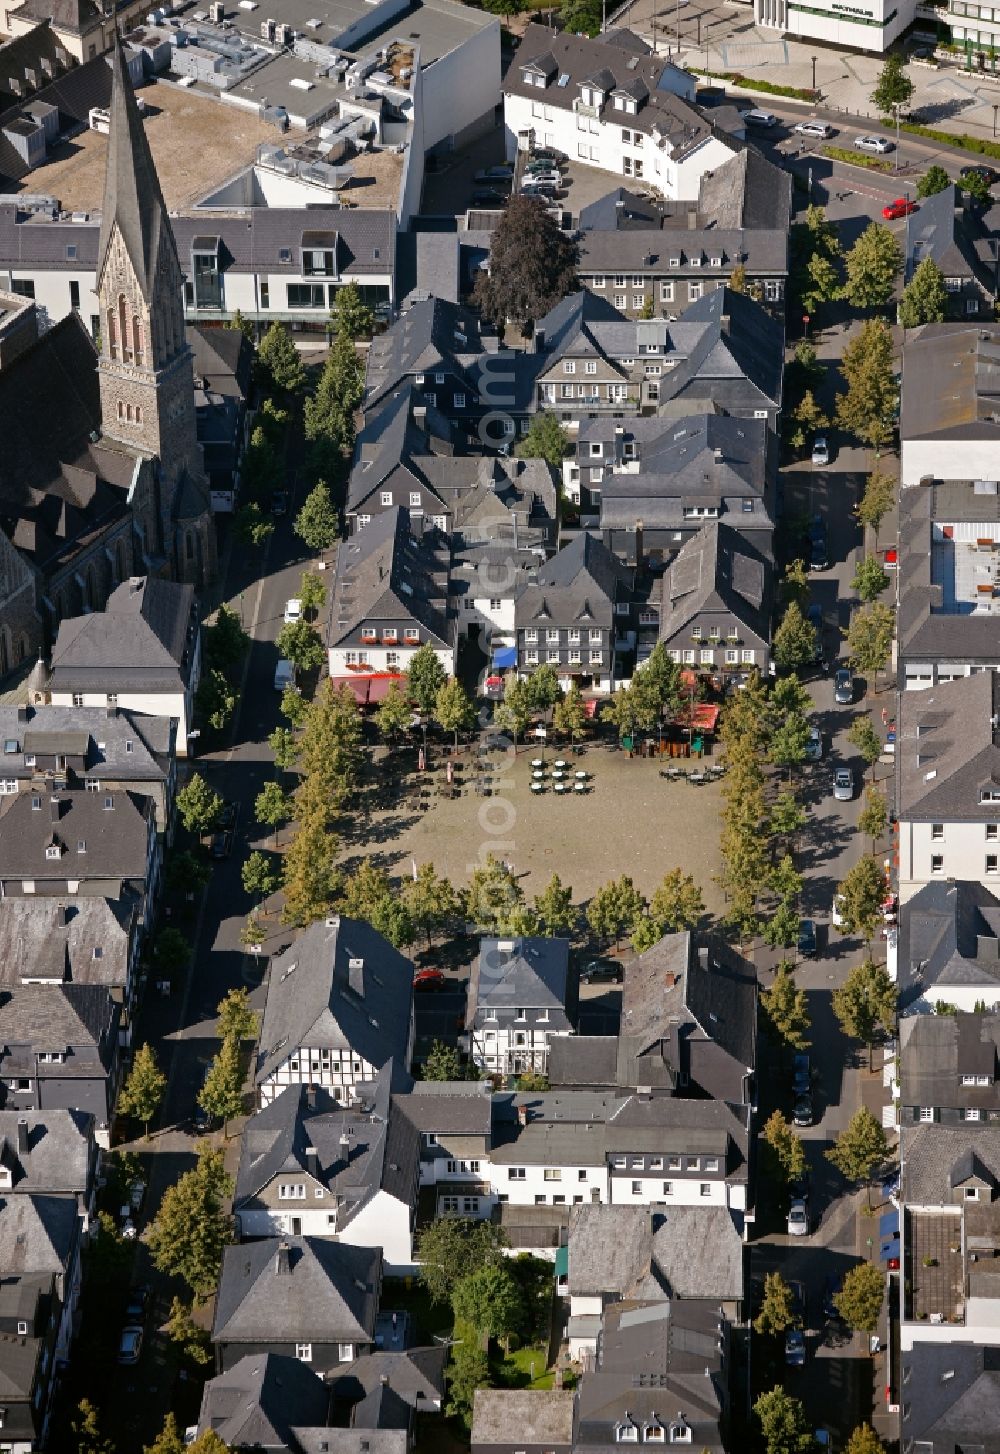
(786, 1429)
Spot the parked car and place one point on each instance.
(990, 175)
(821, 450)
(488, 197)
(901, 207)
(599, 971)
(819, 555)
(228, 814)
(222, 844)
(890, 558)
(544, 190)
(818, 129)
(843, 687)
(822, 1438)
(798, 1289)
(494, 174)
(802, 1111)
(877, 144)
(807, 938)
(814, 747)
(843, 784)
(759, 118)
(284, 675)
(429, 979)
(831, 1287)
(837, 911)
(798, 1189)
(130, 1344)
(548, 177)
(798, 1218)
(801, 1073)
(138, 1302)
(549, 154)
(795, 1347)
(279, 502)
(293, 610)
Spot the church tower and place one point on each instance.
(145, 370)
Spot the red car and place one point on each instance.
(902, 207)
(428, 979)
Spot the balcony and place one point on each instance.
(582, 109)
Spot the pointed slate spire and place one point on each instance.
(132, 196)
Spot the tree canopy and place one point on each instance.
(192, 1226)
(925, 297)
(532, 265)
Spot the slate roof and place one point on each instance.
(143, 638)
(946, 751)
(36, 50)
(463, 1108)
(926, 628)
(930, 1152)
(637, 1254)
(433, 335)
(76, 16)
(56, 939)
(391, 439)
(383, 1155)
(739, 341)
(952, 1398)
(527, 1415)
(415, 1375)
(948, 232)
(73, 94)
(59, 1160)
(121, 743)
(645, 253)
(257, 1402)
(297, 1290)
(948, 935)
(115, 839)
(509, 975)
(969, 358)
(386, 574)
(583, 1061)
(695, 981)
(936, 1051)
(315, 998)
(718, 571)
(581, 583)
(64, 1018)
(223, 357)
(747, 191)
(21, 1355)
(37, 1233)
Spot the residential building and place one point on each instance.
(538, 1421)
(415, 1375)
(454, 1120)
(947, 948)
(389, 598)
(311, 1166)
(339, 1006)
(948, 783)
(955, 234)
(436, 346)
(18, 327)
(48, 748)
(266, 1401)
(81, 941)
(60, 1050)
(49, 1154)
(952, 1396)
(79, 29)
(873, 29)
(653, 483)
(223, 371)
(948, 1071)
(141, 653)
(688, 1026)
(80, 844)
(952, 436)
(301, 1297)
(949, 580)
(627, 113)
(576, 614)
(517, 999)
(716, 600)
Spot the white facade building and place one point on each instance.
(867, 25)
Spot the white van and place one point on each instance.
(284, 675)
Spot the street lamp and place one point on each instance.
(896, 110)
(814, 74)
(996, 108)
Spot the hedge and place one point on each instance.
(854, 158)
(769, 88)
(948, 138)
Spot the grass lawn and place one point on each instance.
(525, 1368)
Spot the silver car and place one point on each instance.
(798, 1218)
(813, 128)
(814, 747)
(877, 144)
(843, 784)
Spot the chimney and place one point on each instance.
(22, 1136)
(383, 1379)
(703, 956)
(356, 976)
(718, 454)
(311, 1096)
(638, 545)
(538, 341)
(724, 323)
(692, 220)
(344, 1146)
(54, 809)
(420, 414)
(283, 1260)
(312, 1162)
(987, 947)
(22, 714)
(112, 713)
(522, 1115)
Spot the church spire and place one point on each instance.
(132, 196)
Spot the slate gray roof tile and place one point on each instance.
(297, 1290)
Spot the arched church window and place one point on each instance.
(121, 409)
(137, 340)
(113, 340)
(123, 328)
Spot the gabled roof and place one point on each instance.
(386, 574)
(297, 1290)
(747, 191)
(416, 1375)
(257, 1402)
(636, 1254)
(947, 752)
(58, 1018)
(77, 941)
(930, 1152)
(432, 335)
(117, 743)
(579, 585)
(341, 984)
(37, 1233)
(938, 1051)
(692, 983)
(392, 440)
(718, 570)
(511, 975)
(115, 839)
(946, 231)
(952, 1398)
(948, 935)
(539, 1417)
(59, 1156)
(144, 633)
(969, 358)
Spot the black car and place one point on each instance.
(798, 1187)
(138, 1302)
(229, 814)
(221, 844)
(488, 197)
(279, 502)
(990, 175)
(807, 938)
(819, 554)
(597, 972)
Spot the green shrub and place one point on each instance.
(769, 88)
(966, 143)
(852, 158)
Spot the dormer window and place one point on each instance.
(680, 1431)
(654, 1434)
(53, 851)
(627, 1432)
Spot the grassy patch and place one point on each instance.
(768, 88)
(525, 1368)
(852, 158)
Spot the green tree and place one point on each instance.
(866, 1003)
(555, 909)
(295, 707)
(453, 711)
(546, 439)
(215, 699)
(350, 317)
(316, 523)
(312, 594)
(860, 1149)
(934, 180)
(877, 500)
(443, 1062)
(309, 877)
(569, 716)
(86, 1428)
(532, 265)
(784, 1009)
(236, 1019)
(330, 749)
(468, 1370)
(777, 1309)
(514, 713)
(543, 687)
(252, 526)
(430, 901)
(783, 1423)
(862, 893)
(244, 326)
(198, 805)
(795, 584)
(300, 643)
(261, 471)
(862, 736)
(273, 421)
(369, 895)
(226, 643)
(581, 17)
(171, 951)
(614, 908)
(859, 1301)
(872, 264)
(284, 746)
(186, 873)
(425, 678)
(781, 928)
(806, 419)
(869, 638)
(786, 817)
(110, 1255)
(208, 1443)
(394, 713)
(783, 1148)
(253, 932)
(622, 709)
(169, 1440)
(493, 895)
(794, 640)
(864, 1440)
(867, 408)
(281, 367)
(489, 1299)
(676, 903)
(977, 188)
(893, 87)
(192, 1341)
(451, 1248)
(789, 741)
(925, 297)
(260, 876)
(821, 283)
(870, 579)
(874, 816)
(272, 807)
(738, 279)
(193, 1226)
(143, 1091)
(221, 1095)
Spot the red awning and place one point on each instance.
(705, 716)
(590, 706)
(368, 690)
